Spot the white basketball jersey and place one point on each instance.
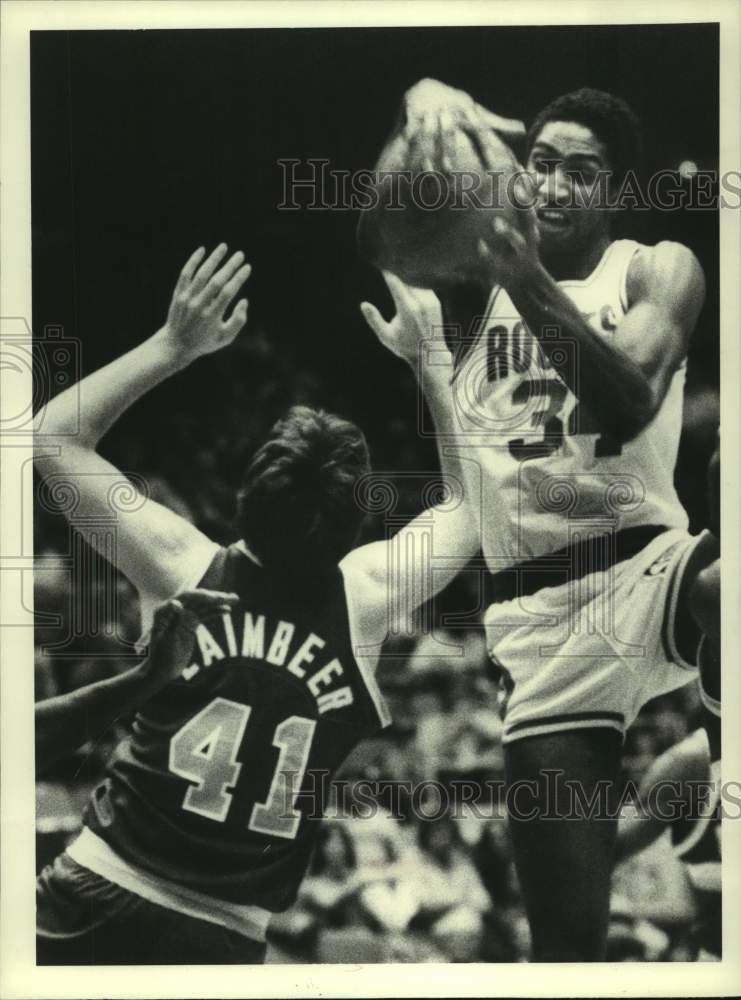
(545, 469)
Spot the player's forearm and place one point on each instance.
(435, 382)
(434, 373)
(457, 521)
(606, 380)
(67, 721)
(101, 398)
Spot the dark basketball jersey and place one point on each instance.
(220, 785)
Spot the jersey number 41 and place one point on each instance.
(204, 752)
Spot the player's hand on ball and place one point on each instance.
(173, 631)
(510, 250)
(427, 231)
(418, 316)
(433, 112)
(196, 322)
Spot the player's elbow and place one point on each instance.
(636, 413)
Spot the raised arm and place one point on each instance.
(395, 576)
(66, 722)
(622, 382)
(157, 550)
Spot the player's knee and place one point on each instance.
(704, 600)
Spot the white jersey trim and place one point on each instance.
(544, 727)
(623, 287)
(630, 248)
(581, 282)
(671, 615)
(93, 853)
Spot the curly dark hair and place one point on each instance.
(296, 506)
(610, 118)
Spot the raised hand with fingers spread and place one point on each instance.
(433, 112)
(196, 318)
(418, 318)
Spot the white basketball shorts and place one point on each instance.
(591, 652)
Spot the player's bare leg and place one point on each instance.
(565, 864)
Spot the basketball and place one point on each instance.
(425, 224)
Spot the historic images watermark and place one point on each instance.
(313, 185)
(550, 796)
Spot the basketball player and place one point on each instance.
(63, 723)
(704, 598)
(568, 395)
(681, 792)
(204, 822)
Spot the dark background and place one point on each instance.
(147, 144)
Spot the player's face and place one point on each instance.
(569, 165)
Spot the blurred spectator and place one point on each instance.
(452, 898)
(331, 883)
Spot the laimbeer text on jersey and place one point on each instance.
(248, 636)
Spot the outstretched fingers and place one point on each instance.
(375, 320)
(207, 269)
(189, 268)
(510, 128)
(228, 286)
(193, 606)
(220, 278)
(231, 327)
(400, 293)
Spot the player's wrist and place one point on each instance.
(152, 674)
(172, 351)
(525, 277)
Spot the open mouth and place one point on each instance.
(557, 218)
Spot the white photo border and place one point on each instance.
(19, 976)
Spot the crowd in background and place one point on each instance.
(391, 886)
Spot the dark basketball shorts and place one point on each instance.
(83, 919)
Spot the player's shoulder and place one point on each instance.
(667, 269)
(365, 576)
(362, 570)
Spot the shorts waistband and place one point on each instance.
(592, 554)
(94, 853)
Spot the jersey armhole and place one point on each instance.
(201, 563)
(461, 355)
(366, 664)
(632, 250)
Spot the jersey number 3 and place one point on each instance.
(552, 393)
(204, 752)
